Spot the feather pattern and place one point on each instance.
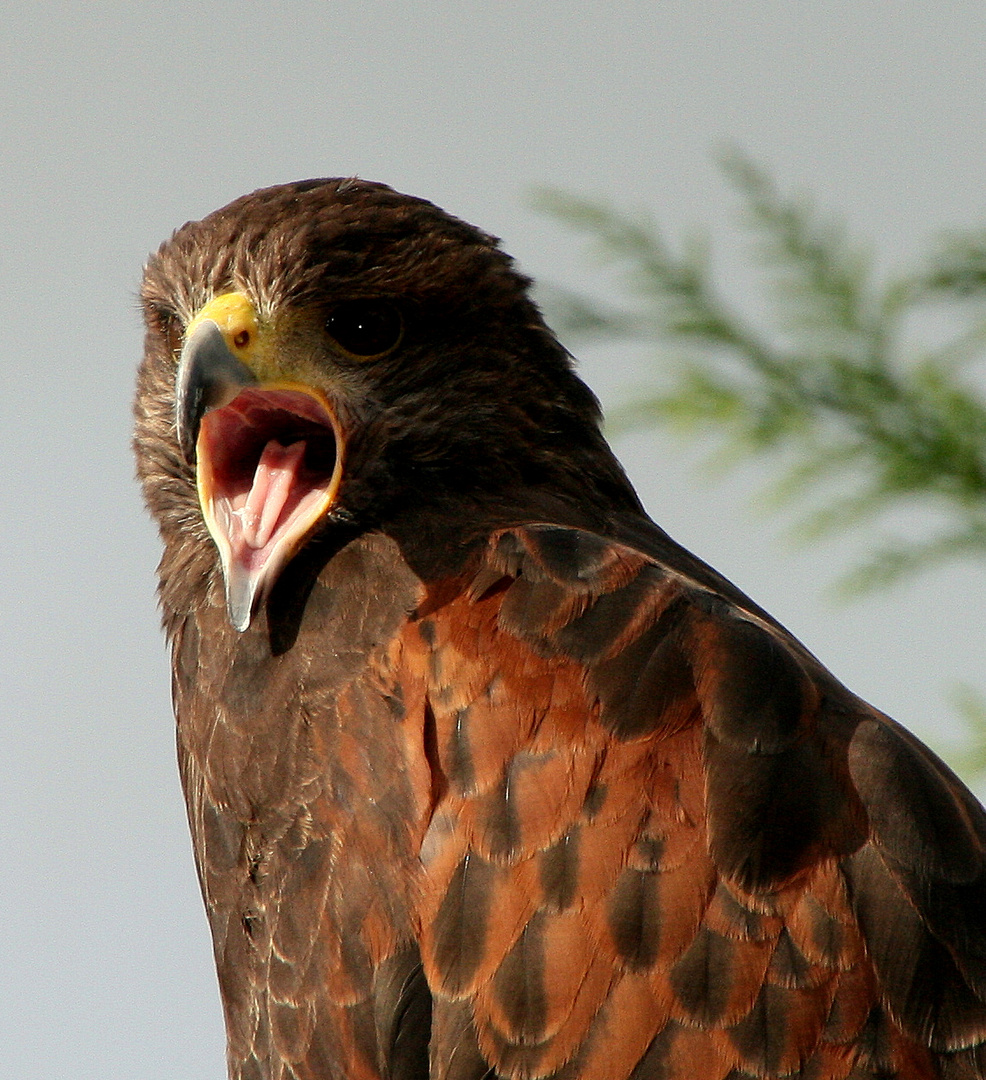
(500, 782)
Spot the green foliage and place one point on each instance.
(970, 703)
(863, 418)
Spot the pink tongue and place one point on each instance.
(272, 483)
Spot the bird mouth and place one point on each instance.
(268, 467)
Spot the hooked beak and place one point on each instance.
(267, 454)
(209, 376)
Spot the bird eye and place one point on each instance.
(366, 328)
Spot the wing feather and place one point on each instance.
(728, 865)
(612, 824)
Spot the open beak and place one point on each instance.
(267, 454)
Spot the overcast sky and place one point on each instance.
(120, 121)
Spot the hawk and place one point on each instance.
(486, 776)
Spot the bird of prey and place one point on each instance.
(486, 776)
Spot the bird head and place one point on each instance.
(332, 354)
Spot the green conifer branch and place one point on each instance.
(832, 389)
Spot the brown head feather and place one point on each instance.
(479, 406)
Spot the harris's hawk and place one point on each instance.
(486, 776)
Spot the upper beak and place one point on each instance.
(209, 376)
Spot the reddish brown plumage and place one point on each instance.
(500, 782)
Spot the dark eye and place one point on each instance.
(366, 328)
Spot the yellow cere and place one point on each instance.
(236, 318)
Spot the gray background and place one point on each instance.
(120, 121)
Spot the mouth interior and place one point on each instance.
(268, 465)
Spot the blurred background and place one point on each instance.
(120, 121)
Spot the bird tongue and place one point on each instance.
(273, 482)
(262, 523)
